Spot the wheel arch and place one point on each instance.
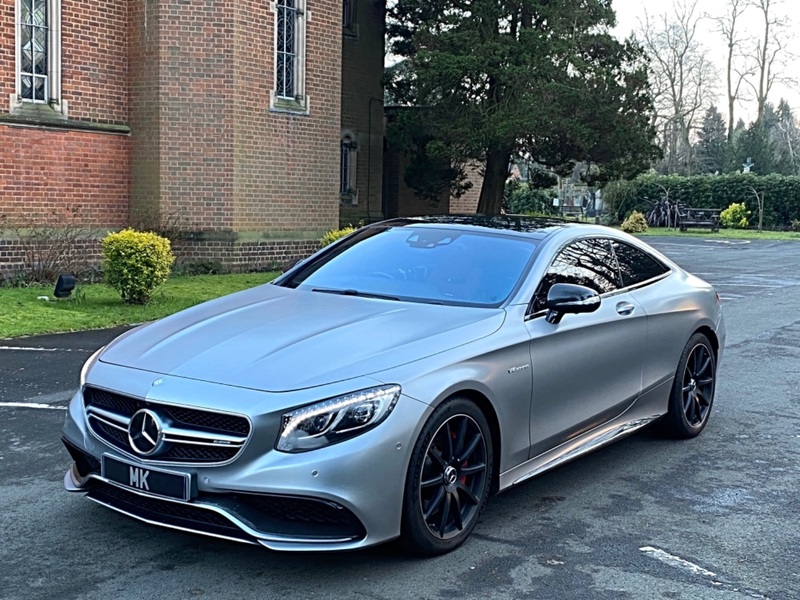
(486, 407)
(712, 337)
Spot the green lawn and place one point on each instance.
(731, 234)
(97, 306)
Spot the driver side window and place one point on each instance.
(589, 262)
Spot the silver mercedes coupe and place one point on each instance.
(384, 387)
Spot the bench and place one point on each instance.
(698, 217)
(571, 211)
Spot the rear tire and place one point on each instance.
(448, 478)
(693, 390)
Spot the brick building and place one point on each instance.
(253, 126)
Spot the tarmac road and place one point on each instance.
(716, 517)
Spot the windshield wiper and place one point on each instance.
(355, 293)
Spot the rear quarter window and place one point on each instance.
(636, 266)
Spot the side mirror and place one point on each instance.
(566, 298)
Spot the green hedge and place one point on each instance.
(781, 194)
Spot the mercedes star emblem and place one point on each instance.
(145, 432)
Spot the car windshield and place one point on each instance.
(422, 264)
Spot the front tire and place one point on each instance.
(448, 479)
(693, 389)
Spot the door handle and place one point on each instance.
(625, 308)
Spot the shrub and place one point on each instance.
(136, 263)
(52, 243)
(619, 197)
(635, 223)
(520, 199)
(335, 234)
(736, 216)
(796, 225)
(664, 213)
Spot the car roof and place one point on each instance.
(531, 227)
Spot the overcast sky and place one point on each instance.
(630, 12)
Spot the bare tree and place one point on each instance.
(737, 67)
(682, 80)
(760, 203)
(770, 51)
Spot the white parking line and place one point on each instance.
(28, 349)
(754, 285)
(676, 561)
(52, 398)
(31, 405)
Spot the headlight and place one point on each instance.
(87, 365)
(337, 419)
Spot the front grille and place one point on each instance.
(124, 405)
(199, 454)
(188, 417)
(175, 514)
(291, 517)
(299, 510)
(112, 433)
(221, 435)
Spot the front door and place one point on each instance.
(587, 369)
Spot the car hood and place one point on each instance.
(277, 339)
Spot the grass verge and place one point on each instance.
(97, 306)
(729, 234)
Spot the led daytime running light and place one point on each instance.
(294, 439)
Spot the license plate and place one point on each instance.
(148, 480)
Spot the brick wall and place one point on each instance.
(265, 255)
(7, 52)
(145, 96)
(206, 144)
(83, 255)
(182, 94)
(44, 171)
(286, 165)
(362, 108)
(192, 80)
(94, 58)
(48, 169)
(468, 202)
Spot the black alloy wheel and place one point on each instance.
(449, 478)
(693, 389)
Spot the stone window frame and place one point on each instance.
(300, 101)
(53, 104)
(348, 168)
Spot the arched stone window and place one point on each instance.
(38, 54)
(290, 56)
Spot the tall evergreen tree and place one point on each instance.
(712, 142)
(495, 78)
(753, 145)
(785, 138)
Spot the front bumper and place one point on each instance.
(345, 496)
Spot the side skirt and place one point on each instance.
(650, 407)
